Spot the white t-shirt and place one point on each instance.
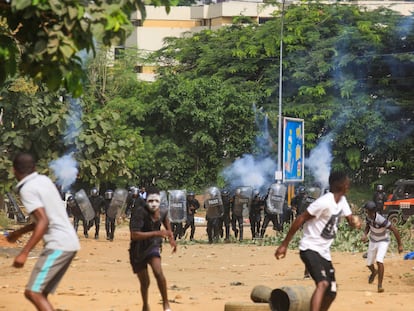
(319, 232)
(38, 191)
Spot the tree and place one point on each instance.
(43, 38)
(346, 71)
(191, 126)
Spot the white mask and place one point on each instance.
(153, 202)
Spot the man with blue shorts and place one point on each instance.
(43, 202)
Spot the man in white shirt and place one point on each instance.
(43, 202)
(320, 223)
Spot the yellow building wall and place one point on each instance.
(148, 69)
(171, 23)
(223, 20)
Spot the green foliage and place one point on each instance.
(198, 120)
(50, 34)
(4, 220)
(346, 72)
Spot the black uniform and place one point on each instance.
(109, 221)
(192, 206)
(270, 217)
(237, 220)
(98, 205)
(74, 209)
(255, 215)
(225, 219)
(379, 198)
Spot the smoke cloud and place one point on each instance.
(256, 171)
(319, 161)
(250, 171)
(65, 170)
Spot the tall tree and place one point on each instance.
(345, 71)
(43, 38)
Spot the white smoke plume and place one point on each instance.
(319, 162)
(250, 171)
(65, 170)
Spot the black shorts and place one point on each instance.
(319, 268)
(139, 261)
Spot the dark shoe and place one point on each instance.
(96, 237)
(236, 233)
(372, 277)
(306, 276)
(380, 289)
(365, 255)
(86, 236)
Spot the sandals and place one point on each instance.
(372, 277)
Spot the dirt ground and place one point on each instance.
(200, 276)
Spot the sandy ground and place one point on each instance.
(200, 277)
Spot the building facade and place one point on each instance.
(149, 34)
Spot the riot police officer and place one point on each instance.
(98, 205)
(270, 217)
(255, 214)
(132, 200)
(75, 210)
(192, 206)
(237, 216)
(226, 219)
(299, 203)
(379, 198)
(109, 221)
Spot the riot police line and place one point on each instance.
(226, 211)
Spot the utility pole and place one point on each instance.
(278, 174)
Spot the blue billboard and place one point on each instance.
(293, 149)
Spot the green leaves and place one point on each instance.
(51, 33)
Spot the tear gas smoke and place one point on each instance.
(65, 169)
(250, 171)
(319, 162)
(257, 170)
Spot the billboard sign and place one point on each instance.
(293, 149)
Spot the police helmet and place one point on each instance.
(380, 187)
(94, 192)
(224, 192)
(191, 194)
(370, 206)
(134, 192)
(302, 190)
(255, 192)
(109, 194)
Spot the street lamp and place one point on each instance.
(279, 141)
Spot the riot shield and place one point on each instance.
(177, 205)
(242, 201)
(117, 204)
(85, 205)
(276, 198)
(314, 192)
(14, 210)
(163, 201)
(213, 203)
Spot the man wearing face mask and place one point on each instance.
(146, 241)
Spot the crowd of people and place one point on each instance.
(150, 225)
